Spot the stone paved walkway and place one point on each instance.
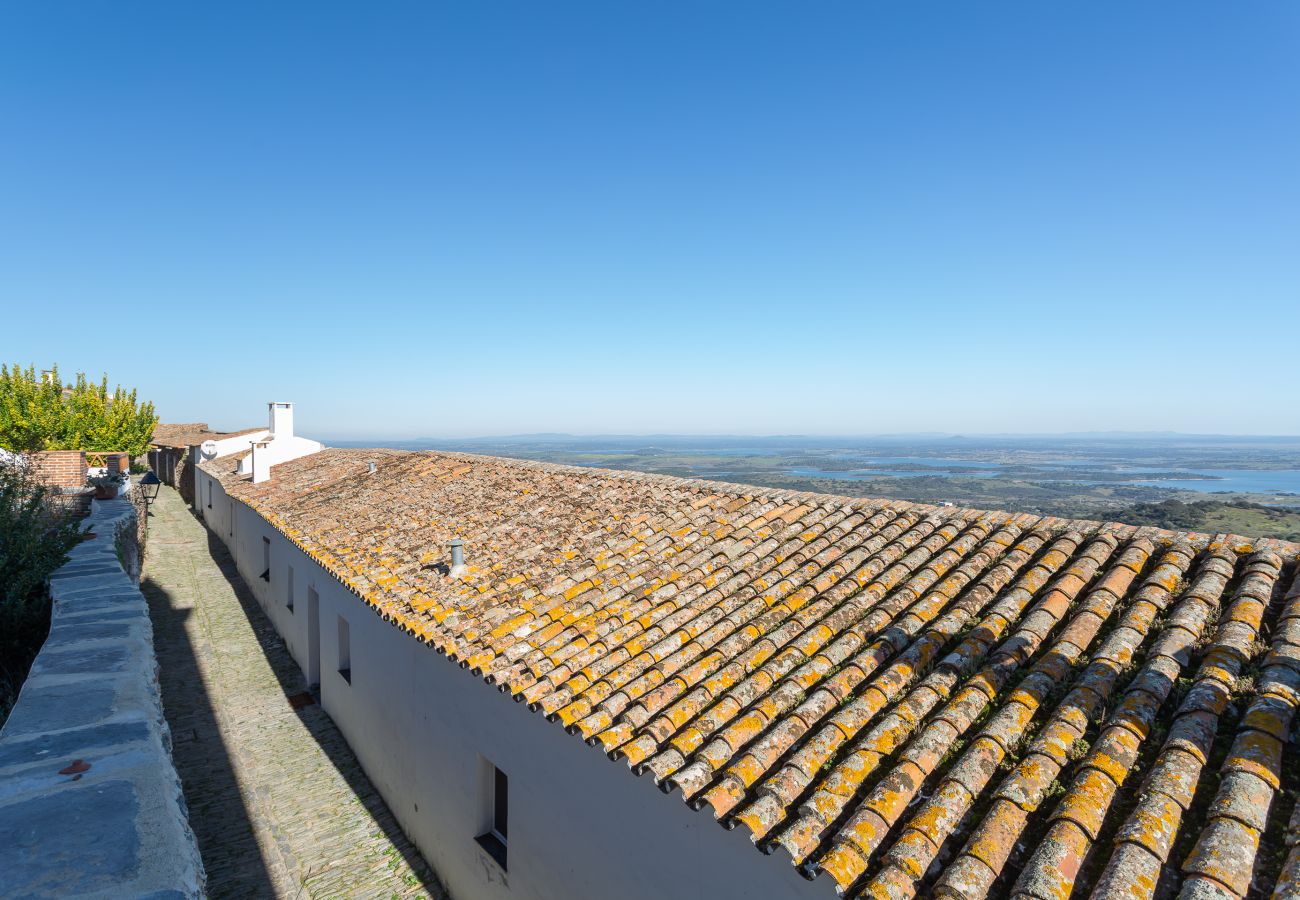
(277, 800)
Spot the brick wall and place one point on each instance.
(60, 468)
(117, 462)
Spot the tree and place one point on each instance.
(45, 414)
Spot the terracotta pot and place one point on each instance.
(105, 491)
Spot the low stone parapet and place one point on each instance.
(90, 803)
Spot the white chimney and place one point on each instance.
(262, 459)
(281, 420)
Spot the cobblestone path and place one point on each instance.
(277, 800)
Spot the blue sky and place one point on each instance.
(493, 218)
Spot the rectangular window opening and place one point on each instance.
(266, 559)
(288, 593)
(500, 803)
(497, 812)
(209, 495)
(345, 650)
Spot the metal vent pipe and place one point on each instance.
(458, 566)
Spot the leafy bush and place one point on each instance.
(35, 536)
(1173, 514)
(45, 414)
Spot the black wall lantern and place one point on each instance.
(148, 485)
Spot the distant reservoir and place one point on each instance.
(1206, 481)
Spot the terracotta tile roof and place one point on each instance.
(164, 432)
(911, 700)
(190, 434)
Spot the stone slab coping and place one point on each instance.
(90, 803)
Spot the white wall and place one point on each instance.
(581, 826)
(280, 449)
(227, 446)
(283, 444)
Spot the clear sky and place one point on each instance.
(454, 219)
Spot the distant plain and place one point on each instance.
(1240, 484)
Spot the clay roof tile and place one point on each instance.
(804, 665)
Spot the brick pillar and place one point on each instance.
(117, 463)
(60, 468)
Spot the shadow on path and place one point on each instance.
(218, 815)
(266, 803)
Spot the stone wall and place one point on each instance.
(185, 478)
(174, 466)
(90, 804)
(140, 529)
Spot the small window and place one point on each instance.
(288, 593)
(266, 559)
(209, 495)
(497, 806)
(345, 650)
(500, 803)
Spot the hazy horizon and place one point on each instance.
(930, 435)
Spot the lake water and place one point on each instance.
(1206, 481)
(1254, 481)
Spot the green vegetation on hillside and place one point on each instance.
(1247, 519)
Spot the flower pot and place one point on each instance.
(105, 491)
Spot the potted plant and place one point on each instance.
(107, 485)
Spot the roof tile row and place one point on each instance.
(845, 678)
(190, 434)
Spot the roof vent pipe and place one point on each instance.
(458, 567)
(371, 468)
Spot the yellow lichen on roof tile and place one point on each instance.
(806, 665)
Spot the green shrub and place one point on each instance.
(35, 536)
(45, 414)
